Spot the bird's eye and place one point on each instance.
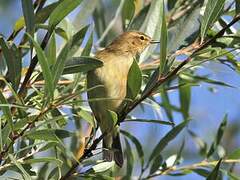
(142, 37)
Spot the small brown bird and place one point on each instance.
(117, 59)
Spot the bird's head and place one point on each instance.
(133, 42)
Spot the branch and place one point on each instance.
(191, 167)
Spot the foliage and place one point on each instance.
(44, 118)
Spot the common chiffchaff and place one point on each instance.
(117, 59)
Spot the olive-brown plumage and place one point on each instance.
(117, 59)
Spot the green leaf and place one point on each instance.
(113, 116)
(137, 145)
(25, 175)
(134, 81)
(157, 162)
(218, 137)
(211, 14)
(130, 160)
(163, 40)
(51, 50)
(45, 67)
(68, 50)
(185, 98)
(44, 159)
(19, 24)
(235, 154)
(6, 111)
(79, 64)
(86, 116)
(128, 11)
(28, 13)
(215, 172)
(166, 104)
(201, 172)
(87, 49)
(62, 10)
(43, 14)
(49, 134)
(139, 19)
(166, 139)
(103, 166)
(13, 60)
(150, 121)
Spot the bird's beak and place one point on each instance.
(154, 42)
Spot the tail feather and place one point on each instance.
(115, 152)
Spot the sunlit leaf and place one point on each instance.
(211, 14)
(62, 10)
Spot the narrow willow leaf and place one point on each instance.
(184, 98)
(218, 136)
(163, 40)
(44, 159)
(150, 121)
(25, 175)
(139, 18)
(48, 134)
(79, 65)
(13, 61)
(166, 139)
(87, 49)
(86, 116)
(51, 50)
(166, 104)
(45, 67)
(28, 13)
(134, 81)
(44, 13)
(157, 162)
(19, 24)
(137, 145)
(113, 117)
(127, 12)
(103, 166)
(6, 111)
(68, 50)
(235, 154)
(212, 12)
(215, 172)
(202, 172)
(130, 160)
(61, 11)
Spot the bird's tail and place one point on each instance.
(114, 151)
